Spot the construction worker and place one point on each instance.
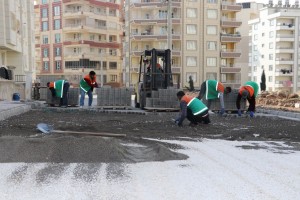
(193, 109)
(248, 91)
(213, 89)
(60, 89)
(87, 84)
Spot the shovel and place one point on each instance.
(47, 129)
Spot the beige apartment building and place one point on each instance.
(73, 37)
(16, 47)
(201, 34)
(275, 39)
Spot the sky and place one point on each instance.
(264, 1)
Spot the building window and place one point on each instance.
(57, 51)
(191, 29)
(57, 37)
(271, 45)
(263, 34)
(255, 37)
(270, 67)
(255, 58)
(191, 12)
(211, 30)
(45, 39)
(46, 66)
(255, 48)
(45, 53)
(211, 45)
(272, 22)
(92, 37)
(191, 61)
(191, 45)
(212, 14)
(44, 2)
(254, 68)
(271, 34)
(44, 12)
(56, 24)
(270, 56)
(212, 1)
(57, 65)
(113, 78)
(113, 65)
(270, 78)
(255, 26)
(56, 10)
(211, 76)
(45, 26)
(211, 62)
(262, 56)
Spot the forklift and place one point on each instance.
(153, 75)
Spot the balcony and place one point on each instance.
(227, 69)
(230, 37)
(230, 53)
(280, 84)
(138, 52)
(284, 61)
(285, 38)
(285, 50)
(230, 22)
(151, 20)
(285, 26)
(230, 6)
(154, 36)
(154, 3)
(283, 72)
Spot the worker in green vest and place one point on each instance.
(60, 89)
(248, 91)
(193, 109)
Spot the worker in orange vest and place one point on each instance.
(248, 91)
(60, 89)
(87, 84)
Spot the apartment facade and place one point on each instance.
(200, 33)
(74, 37)
(275, 37)
(17, 41)
(250, 11)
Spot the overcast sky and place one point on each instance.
(264, 1)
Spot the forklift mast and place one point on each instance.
(153, 75)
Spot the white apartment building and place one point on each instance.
(201, 35)
(17, 41)
(275, 37)
(250, 10)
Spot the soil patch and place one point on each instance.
(20, 141)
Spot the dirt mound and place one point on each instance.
(279, 100)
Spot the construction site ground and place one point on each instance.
(22, 142)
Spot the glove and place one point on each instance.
(251, 114)
(222, 111)
(239, 112)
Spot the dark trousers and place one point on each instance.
(64, 99)
(195, 119)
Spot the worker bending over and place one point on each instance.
(248, 91)
(193, 109)
(60, 89)
(87, 85)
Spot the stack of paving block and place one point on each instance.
(163, 98)
(73, 97)
(229, 102)
(113, 97)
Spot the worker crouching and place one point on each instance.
(193, 109)
(60, 89)
(248, 91)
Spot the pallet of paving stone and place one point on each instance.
(73, 98)
(161, 109)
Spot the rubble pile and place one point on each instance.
(279, 99)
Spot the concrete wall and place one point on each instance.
(7, 88)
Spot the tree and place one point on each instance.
(263, 81)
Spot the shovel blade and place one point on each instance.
(44, 128)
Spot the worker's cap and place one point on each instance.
(245, 94)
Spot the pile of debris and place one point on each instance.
(279, 100)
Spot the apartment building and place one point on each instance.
(250, 10)
(17, 42)
(200, 33)
(75, 36)
(275, 49)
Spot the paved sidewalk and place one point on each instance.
(12, 108)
